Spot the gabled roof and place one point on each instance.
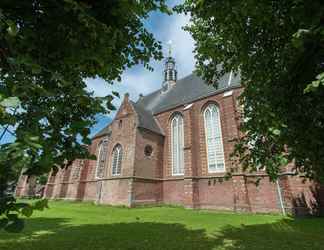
(185, 91)
(105, 131)
(146, 119)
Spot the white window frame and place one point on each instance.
(114, 164)
(99, 156)
(176, 170)
(210, 108)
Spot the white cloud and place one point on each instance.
(139, 80)
(182, 45)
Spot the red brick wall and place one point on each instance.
(263, 197)
(194, 129)
(147, 192)
(302, 196)
(85, 187)
(116, 192)
(216, 193)
(149, 179)
(173, 192)
(148, 166)
(147, 188)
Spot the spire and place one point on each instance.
(170, 72)
(170, 47)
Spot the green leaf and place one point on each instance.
(86, 141)
(12, 28)
(33, 138)
(27, 211)
(34, 145)
(12, 102)
(46, 69)
(283, 161)
(115, 93)
(12, 217)
(3, 222)
(36, 69)
(41, 204)
(93, 157)
(315, 84)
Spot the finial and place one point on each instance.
(170, 47)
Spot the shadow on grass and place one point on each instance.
(307, 233)
(48, 234)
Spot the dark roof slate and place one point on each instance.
(105, 131)
(185, 91)
(146, 119)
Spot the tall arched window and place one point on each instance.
(101, 160)
(117, 156)
(177, 140)
(213, 132)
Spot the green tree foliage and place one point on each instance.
(278, 48)
(47, 50)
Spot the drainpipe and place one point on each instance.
(280, 198)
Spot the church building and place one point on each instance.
(174, 146)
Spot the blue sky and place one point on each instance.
(138, 79)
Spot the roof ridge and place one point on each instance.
(144, 96)
(159, 89)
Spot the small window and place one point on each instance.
(120, 124)
(148, 150)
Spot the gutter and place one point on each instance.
(216, 92)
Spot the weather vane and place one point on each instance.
(170, 47)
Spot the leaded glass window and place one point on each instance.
(177, 139)
(117, 157)
(215, 151)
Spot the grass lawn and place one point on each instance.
(86, 226)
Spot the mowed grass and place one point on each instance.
(68, 225)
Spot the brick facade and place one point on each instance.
(147, 178)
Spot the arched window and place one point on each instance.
(177, 140)
(213, 132)
(101, 160)
(117, 156)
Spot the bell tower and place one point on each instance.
(170, 72)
